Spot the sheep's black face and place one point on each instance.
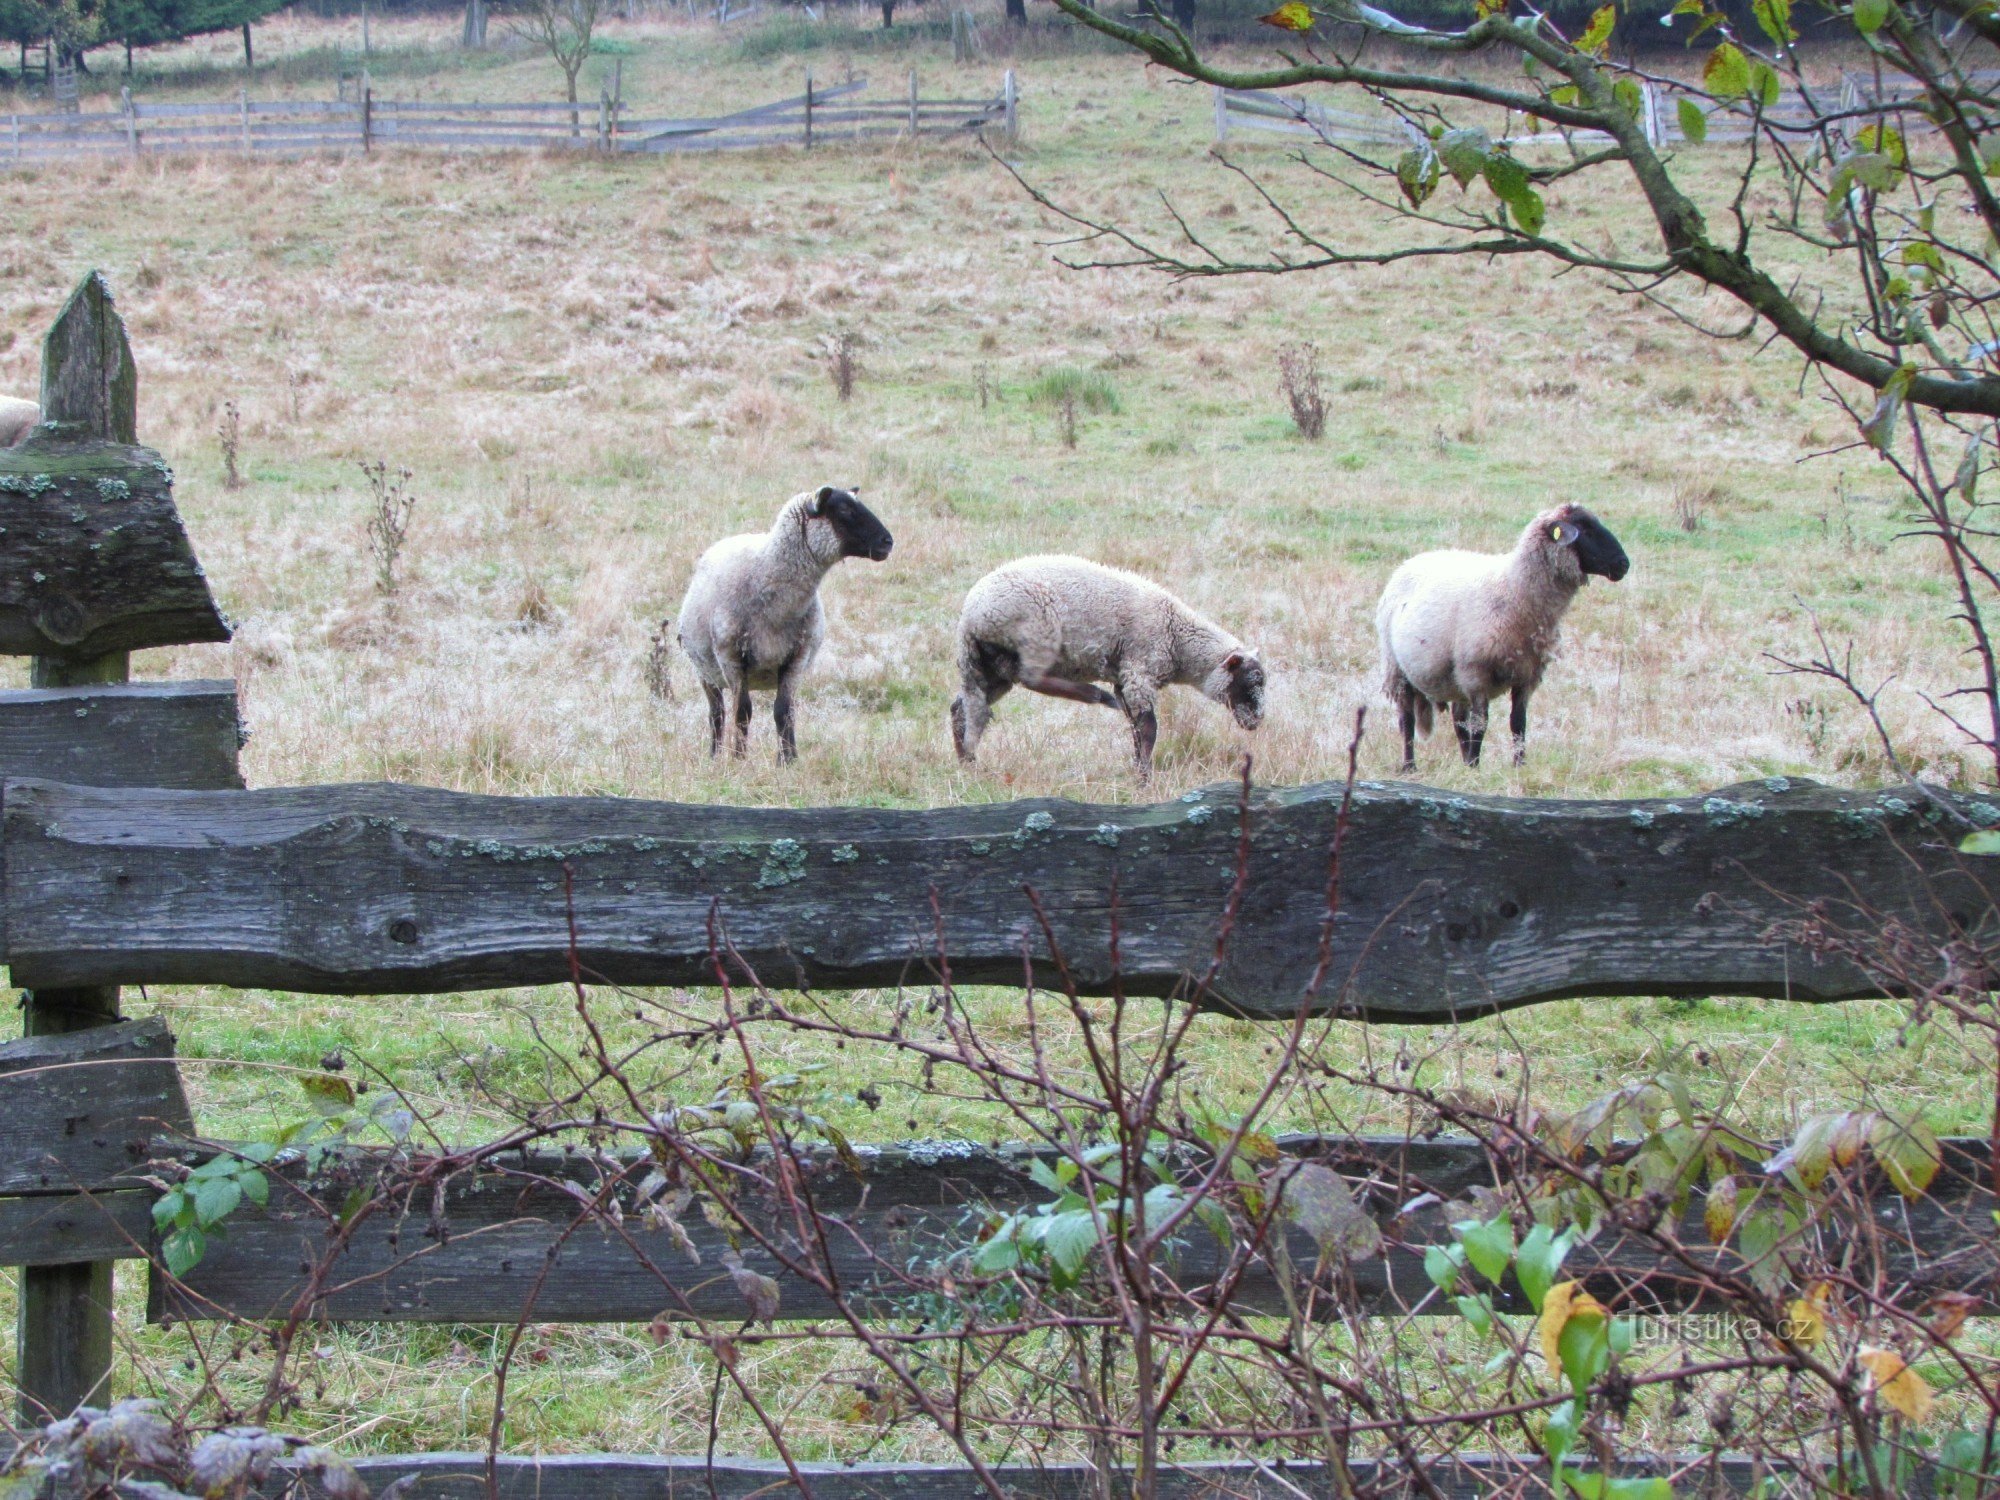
(860, 533)
(1597, 550)
(1245, 692)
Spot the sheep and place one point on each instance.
(752, 616)
(18, 418)
(1058, 625)
(1460, 628)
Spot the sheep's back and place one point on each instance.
(722, 577)
(18, 418)
(1431, 610)
(1063, 605)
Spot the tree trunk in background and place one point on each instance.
(1184, 15)
(1017, 12)
(249, 58)
(888, 13)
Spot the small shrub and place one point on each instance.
(230, 431)
(389, 508)
(1066, 411)
(841, 367)
(1087, 390)
(659, 662)
(1298, 375)
(1690, 504)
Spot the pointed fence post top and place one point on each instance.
(90, 387)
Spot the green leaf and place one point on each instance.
(329, 1092)
(1694, 121)
(1765, 86)
(1441, 1267)
(1567, 94)
(1886, 139)
(1000, 1253)
(1539, 1259)
(169, 1206)
(1585, 1348)
(1908, 1152)
(1510, 184)
(216, 1199)
(1775, 16)
(1465, 153)
(183, 1249)
(1869, 15)
(1417, 171)
(1559, 1435)
(1726, 74)
(1069, 1240)
(1629, 96)
(256, 1186)
(1919, 253)
(1880, 426)
(1597, 35)
(1489, 1246)
(1477, 1311)
(1985, 841)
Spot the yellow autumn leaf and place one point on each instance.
(1805, 1323)
(1902, 1389)
(1293, 15)
(1564, 1301)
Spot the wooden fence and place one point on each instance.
(821, 115)
(132, 855)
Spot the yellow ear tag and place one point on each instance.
(1555, 533)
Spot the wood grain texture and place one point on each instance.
(505, 1249)
(1450, 906)
(162, 734)
(95, 559)
(80, 1109)
(63, 1229)
(90, 387)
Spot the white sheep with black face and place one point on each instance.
(1460, 628)
(1057, 625)
(752, 617)
(18, 418)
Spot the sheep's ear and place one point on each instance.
(1232, 661)
(1564, 533)
(825, 494)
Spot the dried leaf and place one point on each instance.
(1804, 1323)
(1316, 1198)
(1901, 1388)
(1719, 1213)
(1564, 1301)
(1949, 1310)
(132, 1435)
(758, 1291)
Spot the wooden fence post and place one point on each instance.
(243, 108)
(1221, 114)
(809, 109)
(367, 114)
(913, 101)
(617, 98)
(14, 131)
(63, 1330)
(131, 120)
(1010, 98)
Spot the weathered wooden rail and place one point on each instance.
(130, 854)
(1450, 907)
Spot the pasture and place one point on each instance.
(593, 368)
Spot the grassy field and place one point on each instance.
(593, 368)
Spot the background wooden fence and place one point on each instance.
(132, 855)
(820, 115)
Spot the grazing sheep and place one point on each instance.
(18, 418)
(1056, 625)
(752, 617)
(1460, 628)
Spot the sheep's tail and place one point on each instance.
(1426, 715)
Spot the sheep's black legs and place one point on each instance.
(1059, 687)
(742, 740)
(1145, 731)
(1517, 723)
(1469, 738)
(781, 713)
(715, 719)
(1406, 724)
